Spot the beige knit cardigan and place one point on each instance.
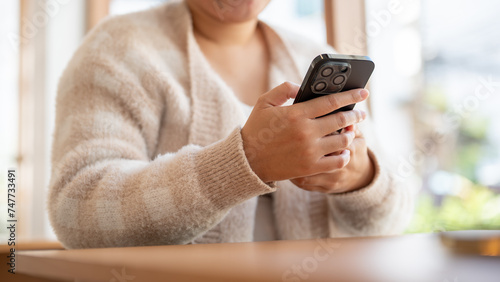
(147, 147)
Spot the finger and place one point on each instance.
(278, 95)
(357, 146)
(351, 127)
(315, 188)
(359, 133)
(356, 130)
(334, 143)
(347, 128)
(326, 104)
(332, 163)
(334, 122)
(322, 179)
(304, 183)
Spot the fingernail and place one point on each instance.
(364, 93)
(363, 115)
(347, 152)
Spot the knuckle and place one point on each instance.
(355, 95)
(287, 85)
(337, 164)
(305, 132)
(344, 140)
(333, 101)
(302, 136)
(301, 181)
(260, 100)
(344, 161)
(294, 115)
(342, 120)
(309, 153)
(357, 115)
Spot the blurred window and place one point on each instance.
(9, 51)
(435, 95)
(302, 16)
(118, 7)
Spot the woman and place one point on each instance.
(150, 148)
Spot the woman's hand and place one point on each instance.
(290, 142)
(357, 174)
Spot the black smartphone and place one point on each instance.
(332, 73)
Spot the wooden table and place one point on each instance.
(418, 257)
(21, 245)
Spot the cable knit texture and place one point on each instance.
(147, 147)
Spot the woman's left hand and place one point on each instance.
(358, 172)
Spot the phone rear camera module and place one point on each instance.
(326, 72)
(319, 86)
(344, 69)
(339, 80)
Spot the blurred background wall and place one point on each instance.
(435, 94)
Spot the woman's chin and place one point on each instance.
(235, 11)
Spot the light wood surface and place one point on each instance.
(22, 245)
(33, 245)
(419, 257)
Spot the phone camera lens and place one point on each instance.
(326, 72)
(344, 69)
(320, 86)
(338, 80)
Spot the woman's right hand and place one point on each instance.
(288, 142)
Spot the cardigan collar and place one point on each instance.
(214, 105)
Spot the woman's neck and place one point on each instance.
(223, 33)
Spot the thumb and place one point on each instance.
(278, 95)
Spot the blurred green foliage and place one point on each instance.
(467, 158)
(470, 205)
(474, 207)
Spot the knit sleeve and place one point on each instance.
(106, 187)
(384, 207)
